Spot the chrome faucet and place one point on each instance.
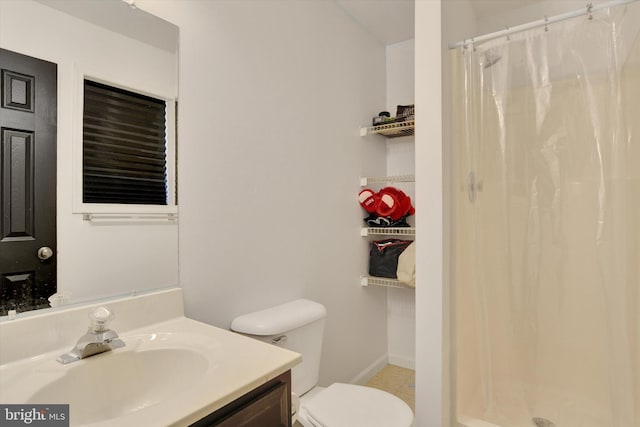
(98, 338)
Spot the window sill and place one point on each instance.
(130, 218)
(131, 210)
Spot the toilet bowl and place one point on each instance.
(348, 405)
(299, 326)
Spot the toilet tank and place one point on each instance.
(297, 326)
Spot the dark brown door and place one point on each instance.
(27, 182)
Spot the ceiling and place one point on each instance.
(392, 21)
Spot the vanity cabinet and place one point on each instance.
(268, 405)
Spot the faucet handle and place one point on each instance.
(99, 319)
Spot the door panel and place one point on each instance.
(17, 91)
(27, 181)
(17, 185)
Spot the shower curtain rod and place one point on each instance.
(589, 8)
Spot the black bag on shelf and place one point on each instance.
(374, 220)
(383, 257)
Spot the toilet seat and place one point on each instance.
(347, 405)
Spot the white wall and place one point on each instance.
(522, 15)
(272, 95)
(95, 261)
(430, 350)
(401, 322)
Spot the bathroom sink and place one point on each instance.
(151, 369)
(170, 373)
(127, 380)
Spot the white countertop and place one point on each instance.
(235, 365)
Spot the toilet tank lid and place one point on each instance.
(279, 319)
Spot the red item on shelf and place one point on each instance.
(368, 200)
(394, 203)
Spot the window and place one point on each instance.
(124, 150)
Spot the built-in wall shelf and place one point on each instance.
(387, 231)
(382, 281)
(390, 130)
(368, 180)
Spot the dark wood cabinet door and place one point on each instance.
(266, 406)
(28, 126)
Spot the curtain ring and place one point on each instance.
(546, 24)
(506, 30)
(589, 11)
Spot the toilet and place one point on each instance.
(298, 326)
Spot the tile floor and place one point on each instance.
(398, 381)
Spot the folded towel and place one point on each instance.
(406, 271)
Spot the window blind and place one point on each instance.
(124, 147)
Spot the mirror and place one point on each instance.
(129, 250)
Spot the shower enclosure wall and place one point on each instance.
(546, 225)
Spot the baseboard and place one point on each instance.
(403, 362)
(364, 376)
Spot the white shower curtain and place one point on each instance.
(546, 232)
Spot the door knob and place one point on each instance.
(45, 252)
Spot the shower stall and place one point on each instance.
(546, 224)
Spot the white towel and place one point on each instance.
(406, 271)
